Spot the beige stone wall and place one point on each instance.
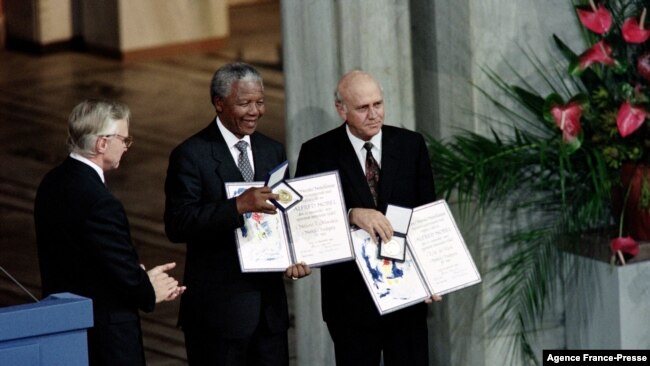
(154, 23)
(119, 26)
(40, 21)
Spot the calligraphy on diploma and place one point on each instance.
(439, 249)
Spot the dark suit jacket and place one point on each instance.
(198, 213)
(84, 247)
(406, 180)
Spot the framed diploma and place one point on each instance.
(318, 225)
(314, 230)
(439, 249)
(436, 259)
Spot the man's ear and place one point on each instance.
(341, 110)
(218, 104)
(101, 144)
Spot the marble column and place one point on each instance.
(311, 64)
(442, 63)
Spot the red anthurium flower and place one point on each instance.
(597, 19)
(629, 119)
(600, 52)
(567, 118)
(624, 245)
(633, 31)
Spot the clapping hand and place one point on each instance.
(165, 286)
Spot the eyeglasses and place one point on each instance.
(127, 140)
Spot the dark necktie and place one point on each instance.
(243, 163)
(372, 171)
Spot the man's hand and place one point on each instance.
(256, 200)
(433, 298)
(372, 221)
(297, 271)
(165, 286)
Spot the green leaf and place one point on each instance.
(566, 51)
(532, 101)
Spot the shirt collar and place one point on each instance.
(86, 161)
(358, 143)
(230, 137)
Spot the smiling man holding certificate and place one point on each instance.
(378, 165)
(229, 317)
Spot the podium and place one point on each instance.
(47, 333)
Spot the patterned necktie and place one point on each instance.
(372, 171)
(243, 163)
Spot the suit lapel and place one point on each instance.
(351, 168)
(263, 163)
(390, 161)
(226, 167)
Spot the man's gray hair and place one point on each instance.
(91, 119)
(224, 77)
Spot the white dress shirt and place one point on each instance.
(361, 152)
(232, 140)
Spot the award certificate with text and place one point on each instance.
(436, 260)
(314, 230)
(439, 249)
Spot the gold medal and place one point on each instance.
(285, 196)
(391, 248)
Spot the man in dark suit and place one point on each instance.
(83, 237)
(228, 317)
(378, 165)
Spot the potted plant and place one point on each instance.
(575, 162)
